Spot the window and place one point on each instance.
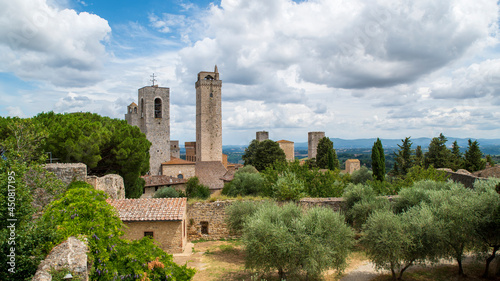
(211, 94)
(135, 109)
(204, 227)
(142, 108)
(157, 108)
(148, 234)
(180, 176)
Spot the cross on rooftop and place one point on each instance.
(153, 80)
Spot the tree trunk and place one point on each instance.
(489, 260)
(281, 273)
(403, 270)
(460, 268)
(394, 277)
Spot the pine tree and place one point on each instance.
(419, 156)
(456, 157)
(378, 161)
(404, 158)
(324, 151)
(438, 155)
(473, 157)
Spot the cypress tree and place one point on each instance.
(378, 161)
(473, 157)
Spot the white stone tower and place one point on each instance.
(208, 116)
(152, 116)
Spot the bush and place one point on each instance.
(238, 213)
(361, 176)
(288, 187)
(196, 190)
(166, 192)
(79, 184)
(244, 183)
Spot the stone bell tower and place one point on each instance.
(152, 116)
(208, 116)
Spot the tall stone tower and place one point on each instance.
(152, 116)
(312, 143)
(262, 136)
(208, 116)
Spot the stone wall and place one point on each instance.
(70, 254)
(213, 214)
(111, 184)
(68, 172)
(462, 176)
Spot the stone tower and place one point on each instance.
(312, 143)
(262, 136)
(152, 116)
(208, 116)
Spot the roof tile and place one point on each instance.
(150, 209)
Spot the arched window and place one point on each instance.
(157, 108)
(180, 176)
(135, 109)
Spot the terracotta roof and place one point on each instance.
(210, 173)
(150, 209)
(284, 141)
(177, 161)
(133, 104)
(162, 180)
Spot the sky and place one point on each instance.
(351, 68)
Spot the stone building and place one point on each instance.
(288, 148)
(163, 219)
(190, 151)
(312, 143)
(178, 168)
(153, 183)
(262, 136)
(352, 165)
(208, 116)
(152, 116)
(175, 149)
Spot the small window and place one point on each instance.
(157, 108)
(148, 234)
(180, 176)
(130, 111)
(142, 108)
(135, 109)
(204, 227)
(211, 94)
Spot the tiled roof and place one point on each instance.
(177, 161)
(284, 141)
(210, 173)
(133, 104)
(162, 180)
(149, 209)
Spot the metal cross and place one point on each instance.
(153, 80)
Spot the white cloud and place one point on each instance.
(60, 46)
(15, 111)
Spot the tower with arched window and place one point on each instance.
(152, 116)
(208, 116)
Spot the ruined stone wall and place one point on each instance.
(70, 254)
(211, 213)
(68, 172)
(111, 184)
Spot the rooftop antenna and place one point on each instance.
(153, 80)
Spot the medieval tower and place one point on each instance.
(312, 143)
(152, 116)
(208, 117)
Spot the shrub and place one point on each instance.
(243, 184)
(196, 190)
(361, 176)
(288, 187)
(238, 213)
(166, 192)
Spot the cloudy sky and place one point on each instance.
(351, 68)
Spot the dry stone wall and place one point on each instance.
(68, 172)
(111, 184)
(70, 254)
(207, 220)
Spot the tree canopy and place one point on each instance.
(378, 161)
(326, 156)
(262, 154)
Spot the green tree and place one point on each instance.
(419, 156)
(404, 159)
(289, 187)
(246, 181)
(490, 160)
(456, 161)
(196, 190)
(263, 154)
(473, 157)
(166, 192)
(361, 176)
(438, 155)
(105, 145)
(378, 161)
(23, 139)
(326, 157)
(239, 212)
